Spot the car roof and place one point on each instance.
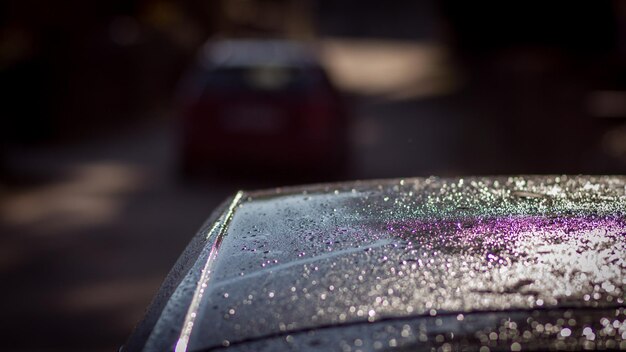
(256, 52)
(292, 260)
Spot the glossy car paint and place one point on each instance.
(503, 262)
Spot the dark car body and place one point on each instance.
(477, 264)
(263, 102)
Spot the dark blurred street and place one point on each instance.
(94, 210)
(86, 245)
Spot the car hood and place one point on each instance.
(297, 259)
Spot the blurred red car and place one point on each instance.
(267, 103)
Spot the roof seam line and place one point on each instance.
(183, 339)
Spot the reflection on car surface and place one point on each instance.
(268, 102)
(478, 264)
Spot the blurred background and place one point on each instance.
(124, 123)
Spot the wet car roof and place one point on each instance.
(275, 264)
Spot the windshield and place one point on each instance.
(261, 78)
